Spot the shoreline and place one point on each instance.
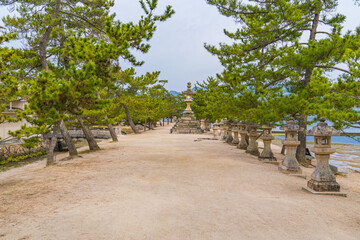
(346, 155)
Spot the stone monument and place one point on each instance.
(188, 123)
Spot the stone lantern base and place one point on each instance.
(290, 170)
(253, 148)
(187, 124)
(270, 159)
(323, 186)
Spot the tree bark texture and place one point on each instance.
(132, 125)
(301, 149)
(51, 152)
(113, 133)
(69, 142)
(89, 136)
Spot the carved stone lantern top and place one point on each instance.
(290, 126)
(189, 91)
(243, 127)
(235, 125)
(267, 132)
(216, 123)
(236, 122)
(322, 134)
(323, 129)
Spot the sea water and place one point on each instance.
(347, 151)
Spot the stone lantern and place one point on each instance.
(290, 163)
(202, 124)
(235, 131)
(188, 123)
(267, 155)
(253, 135)
(243, 132)
(216, 129)
(229, 137)
(323, 179)
(207, 125)
(225, 123)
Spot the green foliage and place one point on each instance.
(22, 157)
(8, 84)
(276, 74)
(71, 63)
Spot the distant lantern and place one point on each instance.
(229, 136)
(290, 163)
(216, 129)
(225, 129)
(323, 179)
(235, 130)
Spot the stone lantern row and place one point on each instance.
(244, 135)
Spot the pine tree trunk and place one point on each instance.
(51, 152)
(89, 136)
(69, 142)
(301, 149)
(43, 43)
(132, 125)
(113, 133)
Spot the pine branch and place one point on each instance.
(333, 67)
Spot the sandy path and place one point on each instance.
(148, 187)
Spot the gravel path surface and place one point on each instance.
(161, 186)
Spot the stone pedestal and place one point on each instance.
(267, 154)
(290, 164)
(202, 124)
(235, 137)
(243, 132)
(188, 124)
(216, 129)
(224, 130)
(229, 137)
(207, 125)
(235, 131)
(253, 146)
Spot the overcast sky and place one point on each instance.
(177, 47)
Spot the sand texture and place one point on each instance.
(161, 186)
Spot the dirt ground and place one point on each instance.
(161, 186)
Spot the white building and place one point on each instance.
(12, 126)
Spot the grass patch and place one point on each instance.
(20, 163)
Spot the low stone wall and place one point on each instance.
(15, 150)
(98, 132)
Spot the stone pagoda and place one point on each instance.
(188, 123)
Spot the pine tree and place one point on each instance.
(272, 65)
(51, 72)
